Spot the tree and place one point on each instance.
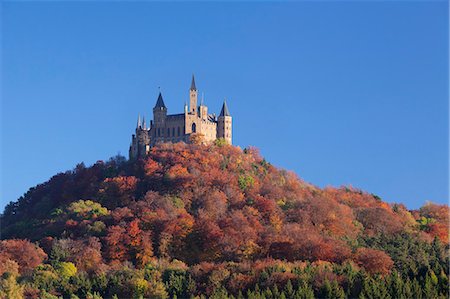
(197, 138)
(66, 270)
(9, 288)
(87, 209)
(374, 261)
(26, 254)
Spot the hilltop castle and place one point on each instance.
(180, 127)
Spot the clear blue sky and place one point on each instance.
(339, 92)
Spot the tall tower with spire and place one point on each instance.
(180, 127)
(193, 95)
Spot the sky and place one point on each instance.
(342, 93)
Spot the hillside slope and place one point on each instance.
(216, 220)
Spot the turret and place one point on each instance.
(159, 112)
(138, 122)
(140, 141)
(203, 110)
(144, 124)
(224, 124)
(193, 97)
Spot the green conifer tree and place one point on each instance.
(275, 291)
(416, 290)
(337, 290)
(289, 289)
(396, 286)
(429, 287)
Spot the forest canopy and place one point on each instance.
(217, 221)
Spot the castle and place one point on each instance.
(180, 127)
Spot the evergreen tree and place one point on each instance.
(416, 290)
(275, 291)
(443, 284)
(407, 289)
(396, 286)
(326, 290)
(304, 291)
(429, 288)
(337, 291)
(268, 293)
(219, 293)
(289, 289)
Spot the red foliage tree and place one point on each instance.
(374, 261)
(129, 242)
(26, 254)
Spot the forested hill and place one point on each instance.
(215, 221)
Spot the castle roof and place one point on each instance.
(160, 102)
(144, 124)
(224, 111)
(139, 121)
(193, 87)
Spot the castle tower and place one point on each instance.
(224, 123)
(159, 112)
(140, 141)
(193, 97)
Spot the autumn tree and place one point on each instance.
(26, 254)
(374, 261)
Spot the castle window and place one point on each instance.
(194, 128)
(168, 132)
(173, 131)
(178, 131)
(159, 132)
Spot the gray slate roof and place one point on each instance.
(225, 111)
(193, 87)
(160, 102)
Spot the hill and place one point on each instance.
(216, 221)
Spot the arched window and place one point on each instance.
(194, 128)
(168, 132)
(178, 131)
(173, 132)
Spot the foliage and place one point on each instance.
(9, 288)
(212, 220)
(87, 209)
(66, 270)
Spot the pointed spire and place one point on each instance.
(160, 102)
(139, 121)
(201, 102)
(224, 111)
(193, 83)
(144, 125)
